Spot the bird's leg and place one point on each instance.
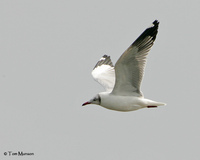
(151, 106)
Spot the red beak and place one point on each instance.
(86, 103)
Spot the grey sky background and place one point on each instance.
(47, 52)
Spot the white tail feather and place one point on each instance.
(154, 103)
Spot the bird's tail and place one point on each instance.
(152, 104)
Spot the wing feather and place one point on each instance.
(129, 68)
(104, 73)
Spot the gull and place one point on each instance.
(122, 81)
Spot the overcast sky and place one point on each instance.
(47, 52)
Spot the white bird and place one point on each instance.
(122, 81)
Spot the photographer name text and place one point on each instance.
(19, 153)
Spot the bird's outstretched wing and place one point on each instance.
(130, 66)
(104, 73)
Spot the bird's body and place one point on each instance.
(122, 81)
(125, 103)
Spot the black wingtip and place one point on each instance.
(105, 59)
(105, 56)
(154, 29)
(150, 31)
(156, 22)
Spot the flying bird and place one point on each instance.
(122, 81)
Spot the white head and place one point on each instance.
(95, 100)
